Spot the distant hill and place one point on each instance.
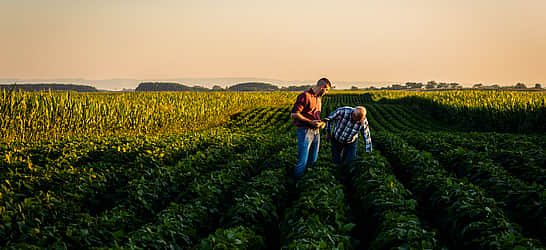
(253, 86)
(297, 88)
(49, 86)
(167, 86)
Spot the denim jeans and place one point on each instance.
(308, 147)
(343, 153)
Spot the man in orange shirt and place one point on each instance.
(306, 115)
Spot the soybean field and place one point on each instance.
(449, 170)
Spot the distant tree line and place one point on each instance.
(167, 86)
(253, 86)
(518, 86)
(296, 88)
(48, 87)
(248, 86)
(416, 86)
(433, 85)
(258, 86)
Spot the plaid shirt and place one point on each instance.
(346, 130)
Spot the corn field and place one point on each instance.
(33, 115)
(513, 101)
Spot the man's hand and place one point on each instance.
(320, 124)
(317, 123)
(328, 137)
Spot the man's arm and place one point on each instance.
(299, 117)
(365, 131)
(336, 115)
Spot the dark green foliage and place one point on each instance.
(463, 211)
(319, 218)
(233, 238)
(523, 202)
(387, 203)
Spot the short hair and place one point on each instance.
(363, 113)
(323, 81)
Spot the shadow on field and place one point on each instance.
(478, 119)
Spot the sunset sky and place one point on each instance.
(466, 41)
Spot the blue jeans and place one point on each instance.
(343, 153)
(308, 147)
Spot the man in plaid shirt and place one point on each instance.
(348, 122)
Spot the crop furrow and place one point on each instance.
(463, 212)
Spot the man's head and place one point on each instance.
(358, 114)
(323, 86)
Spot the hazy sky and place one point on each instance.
(466, 41)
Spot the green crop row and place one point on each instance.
(381, 120)
(64, 189)
(275, 119)
(408, 119)
(386, 205)
(373, 122)
(183, 222)
(319, 218)
(524, 203)
(522, 156)
(255, 207)
(248, 217)
(460, 210)
(396, 118)
(144, 195)
(339, 99)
